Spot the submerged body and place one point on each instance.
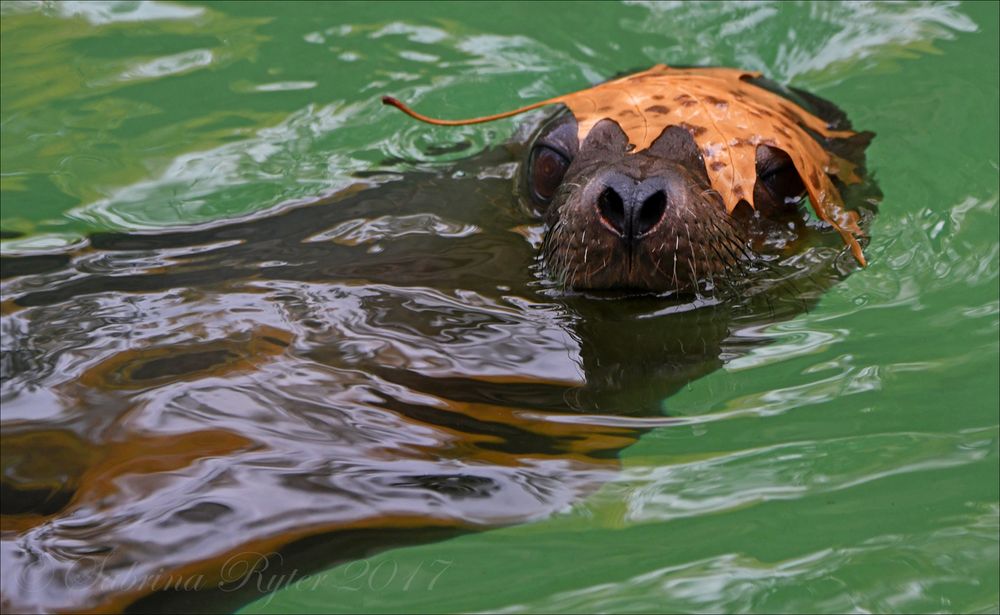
(380, 366)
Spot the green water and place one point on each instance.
(852, 464)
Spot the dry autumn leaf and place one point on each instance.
(727, 116)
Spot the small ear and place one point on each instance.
(605, 135)
(676, 143)
(852, 148)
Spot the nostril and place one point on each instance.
(612, 209)
(651, 212)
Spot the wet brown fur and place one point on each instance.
(696, 247)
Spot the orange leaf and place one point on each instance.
(727, 116)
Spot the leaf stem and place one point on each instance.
(394, 102)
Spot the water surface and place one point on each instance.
(198, 371)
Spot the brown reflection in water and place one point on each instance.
(377, 360)
(147, 367)
(48, 471)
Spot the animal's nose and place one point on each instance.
(631, 208)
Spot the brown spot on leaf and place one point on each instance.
(696, 131)
(718, 102)
(791, 117)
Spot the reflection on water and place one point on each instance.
(174, 400)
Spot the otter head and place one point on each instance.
(648, 220)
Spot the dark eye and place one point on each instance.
(547, 169)
(782, 180)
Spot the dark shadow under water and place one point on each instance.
(379, 367)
